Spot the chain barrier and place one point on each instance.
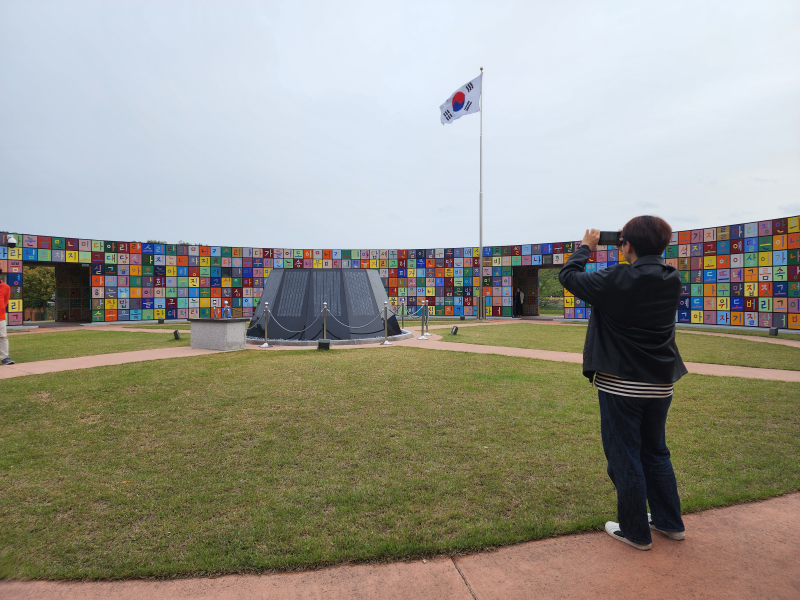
(269, 313)
(360, 326)
(421, 311)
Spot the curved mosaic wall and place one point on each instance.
(744, 274)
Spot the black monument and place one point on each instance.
(355, 300)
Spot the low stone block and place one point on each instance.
(219, 334)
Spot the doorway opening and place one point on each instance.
(74, 292)
(544, 294)
(56, 292)
(38, 293)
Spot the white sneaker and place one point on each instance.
(615, 532)
(673, 535)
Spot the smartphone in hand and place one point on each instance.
(610, 238)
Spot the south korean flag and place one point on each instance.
(464, 101)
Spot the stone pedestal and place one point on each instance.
(219, 334)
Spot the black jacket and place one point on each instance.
(631, 330)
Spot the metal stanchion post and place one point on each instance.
(324, 320)
(428, 320)
(266, 326)
(386, 341)
(427, 316)
(403, 316)
(422, 322)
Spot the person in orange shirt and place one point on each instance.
(5, 295)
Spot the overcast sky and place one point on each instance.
(316, 124)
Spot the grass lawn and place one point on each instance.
(693, 348)
(69, 344)
(180, 326)
(254, 461)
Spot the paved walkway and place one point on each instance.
(747, 552)
(784, 341)
(434, 343)
(98, 360)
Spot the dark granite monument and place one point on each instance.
(355, 300)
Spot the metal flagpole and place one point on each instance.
(480, 204)
(481, 190)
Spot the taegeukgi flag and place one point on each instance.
(464, 101)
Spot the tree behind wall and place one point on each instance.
(38, 286)
(549, 285)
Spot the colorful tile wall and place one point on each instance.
(744, 274)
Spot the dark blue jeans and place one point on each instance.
(638, 464)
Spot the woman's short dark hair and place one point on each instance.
(647, 234)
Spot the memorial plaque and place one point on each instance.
(326, 287)
(359, 293)
(293, 294)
